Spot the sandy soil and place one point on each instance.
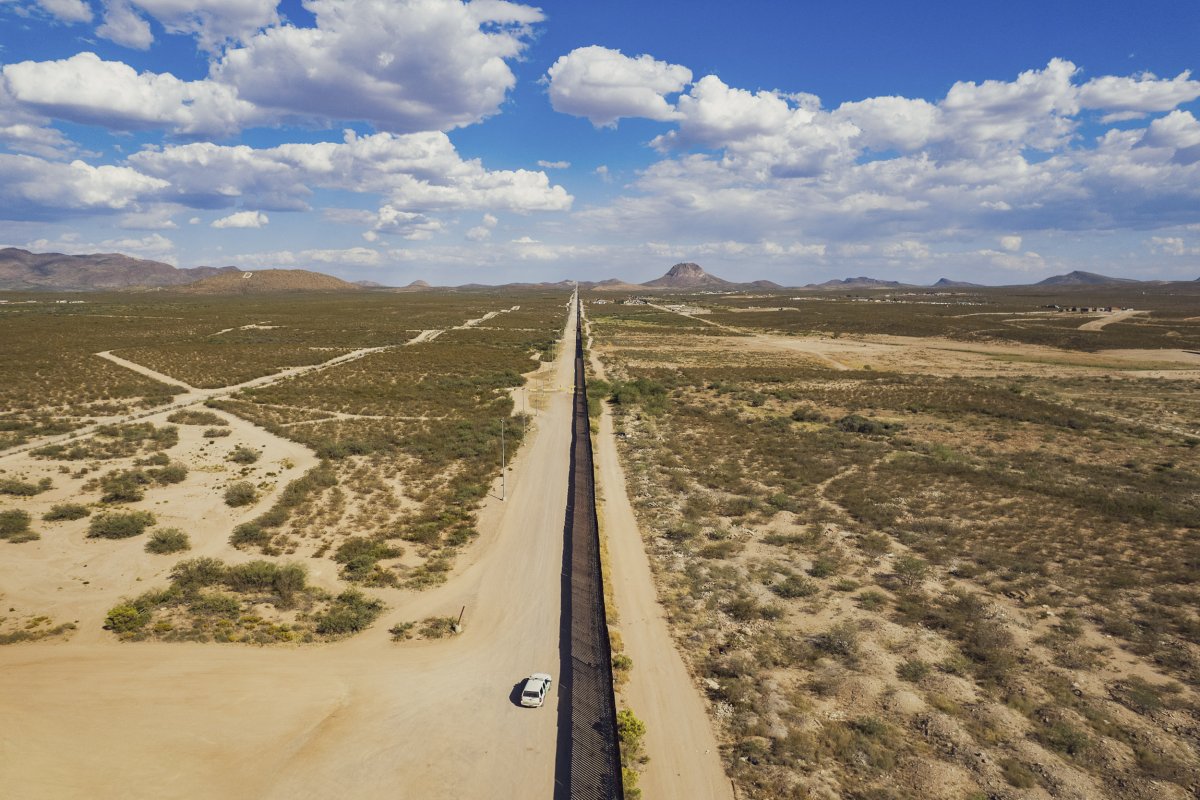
(1109, 319)
(364, 718)
(938, 356)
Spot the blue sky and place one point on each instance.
(492, 141)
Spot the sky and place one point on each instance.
(493, 141)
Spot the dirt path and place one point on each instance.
(1109, 319)
(684, 760)
(363, 718)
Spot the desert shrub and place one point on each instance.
(174, 472)
(875, 543)
(253, 576)
(215, 604)
(795, 586)
(290, 579)
(119, 525)
(402, 631)
(840, 640)
(196, 573)
(437, 627)
(66, 511)
(249, 534)
(195, 417)
(807, 414)
(910, 572)
(1017, 774)
(240, 494)
(854, 423)
(350, 612)
(216, 433)
(125, 618)
(1064, 738)
(21, 488)
(243, 455)
(14, 521)
(824, 566)
(124, 486)
(167, 540)
(1138, 694)
(913, 670)
(631, 732)
(871, 600)
(359, 556)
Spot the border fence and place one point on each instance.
(593, 764)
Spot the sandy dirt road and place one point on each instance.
(1109, 319)
(364, 718)
(684, 760)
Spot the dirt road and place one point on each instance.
(363, 718)
(684, 760)
(1109, 319)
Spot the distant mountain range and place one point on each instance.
(21, 270)
(270, 280)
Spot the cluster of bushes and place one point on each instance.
(360, 557)
(240, 493)
(243, 455)
(114, 441)
(14, 526)
(129, 485)
(21, 488)
(120, 524)
(197, 417)
(66, 511)
(164, 541)
(258, 532)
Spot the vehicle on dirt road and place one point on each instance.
(536, 687)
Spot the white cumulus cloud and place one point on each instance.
(86, 89)
(403, 65)
(605, 85)
(241, 219)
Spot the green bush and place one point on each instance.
(167, 540)
(194, 417)
(359, 556)
(175, 472)
(253, 576)
(14, 521)
(126, 486)
(795, 586)
(350, 612)
(913, 670)
(249, 534)
(66, 511)
(196, 573)
(21, 488)
(243, 455)
(125, 618)
(119, 525)
(216, 604)
(240, 494)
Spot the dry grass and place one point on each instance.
(895, 584)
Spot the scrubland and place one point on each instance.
(933, 559)
(368, 472)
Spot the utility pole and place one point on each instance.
(503, 460)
